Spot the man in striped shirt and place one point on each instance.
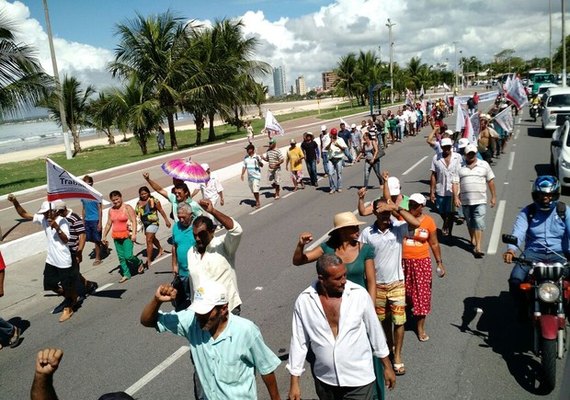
(274, 158)
(470, 191)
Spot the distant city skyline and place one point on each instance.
(279, 82)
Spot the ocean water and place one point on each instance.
(32, 134)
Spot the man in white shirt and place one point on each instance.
(335, 150)
(213, 257)
(343, 345)
(211, 190)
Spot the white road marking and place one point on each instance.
(505, 183)
(414, 166)
(497, 226)
(103, 287)
(138, 385)
(511, 160)
(287, 195)
(517, 133)
(259, 288)
(260, 208)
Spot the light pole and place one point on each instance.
(563, 46)
(390, 24)
(456, 69)
(550, 33)
(58, 89)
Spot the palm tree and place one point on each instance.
(346, 72)
(22, 80)
(153, 50)
(415, 70)
(367, 72)
(258, 96)
(102, 116)
(137, 109)
(75, 102)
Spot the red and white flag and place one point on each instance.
(61, 185)
(505, 119)
(516, 93)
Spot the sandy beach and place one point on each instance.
(276, 109)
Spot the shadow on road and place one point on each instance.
(498, 329)
(539, 132)
(542, 169)
(112, 294)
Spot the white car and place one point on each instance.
(560, 153)
(556, 107)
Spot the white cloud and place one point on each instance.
(313, 43)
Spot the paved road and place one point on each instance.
(471, 355)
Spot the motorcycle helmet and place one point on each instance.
(546, 184)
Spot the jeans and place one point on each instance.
(312, 169)
(399, 132)
(124, 248)
(348, 155)
(376, 168)
(325, 157)
(335, 173)
(6, 331)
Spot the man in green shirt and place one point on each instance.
(227, 350)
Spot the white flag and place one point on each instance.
(445, 86)
(516, 94)
(62, 185)
(271, 125)
(422, 93)
(505, 119)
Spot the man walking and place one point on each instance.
(182, 241)
(92, 215)
(311, 152)
(274, 158)
(470, 192)
(252, 165)
(294, 164)
(213, 189)
(335, 150)
(346, 135)
(386, 236)
(325, 139)
(227, 350)
(336, 320)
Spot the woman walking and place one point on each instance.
(417, 263)
(371, 154)
(120, 216)
(147, 210)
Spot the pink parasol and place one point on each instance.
(186, 170)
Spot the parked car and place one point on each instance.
(556, 107)
(560, 153)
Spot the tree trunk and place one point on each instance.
(110, 136)
(199, 122)
(142, 139)
(212, 132)
(259, 111)
(173, 142)
(76, 143)
(238, 122)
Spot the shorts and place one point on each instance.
(91, 232)
(444, 204)
(275, 176)
(152, 228)
(254, 185)
(297, 175)
(394, 295)
(54, 276)
(475, 216)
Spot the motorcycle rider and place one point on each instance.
(544, 227)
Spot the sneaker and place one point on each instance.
(15, 339)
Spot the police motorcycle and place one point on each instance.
(547, 291)
(535, 110)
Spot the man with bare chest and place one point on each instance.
(343, 345)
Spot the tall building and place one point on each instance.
(300, 88)
(279, 81)
(329, 78)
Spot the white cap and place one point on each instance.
(205, 166)
(323, 128)
(208, 295)
(462, 143)
(59, 205)
(449, 132)
(471, 148)
(46, 206)
(446, 142)
(394, 186)
(352, 126)
(418, 198)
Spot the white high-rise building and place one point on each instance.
(300, 88)
(279, 81)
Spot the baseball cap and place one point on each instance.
(309, 133)
(449, 132)
(471, 148)
(323, 127)
(333, 131)
(292, 141)
(208, 295)
(394, 186)
(46, 206)
(59, 205)
(205, 166)
(418, 198)
(352, 126)
(463, 142)
(446, 142)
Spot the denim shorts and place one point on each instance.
(475, 216)
(444, 204)
(152, 228)
(91, 232)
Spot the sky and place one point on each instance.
(306, 37)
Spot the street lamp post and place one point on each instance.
(390, 25)
(563, 46)
(456, 69)
(58, 89)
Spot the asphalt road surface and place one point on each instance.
(476, 349)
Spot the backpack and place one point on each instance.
(560, 210)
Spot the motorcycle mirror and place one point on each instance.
(509, 239)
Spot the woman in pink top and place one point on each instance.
(120, 215)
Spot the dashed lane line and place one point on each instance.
(414, 166)
(497, 226)
(260, 208)
(511, 160)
